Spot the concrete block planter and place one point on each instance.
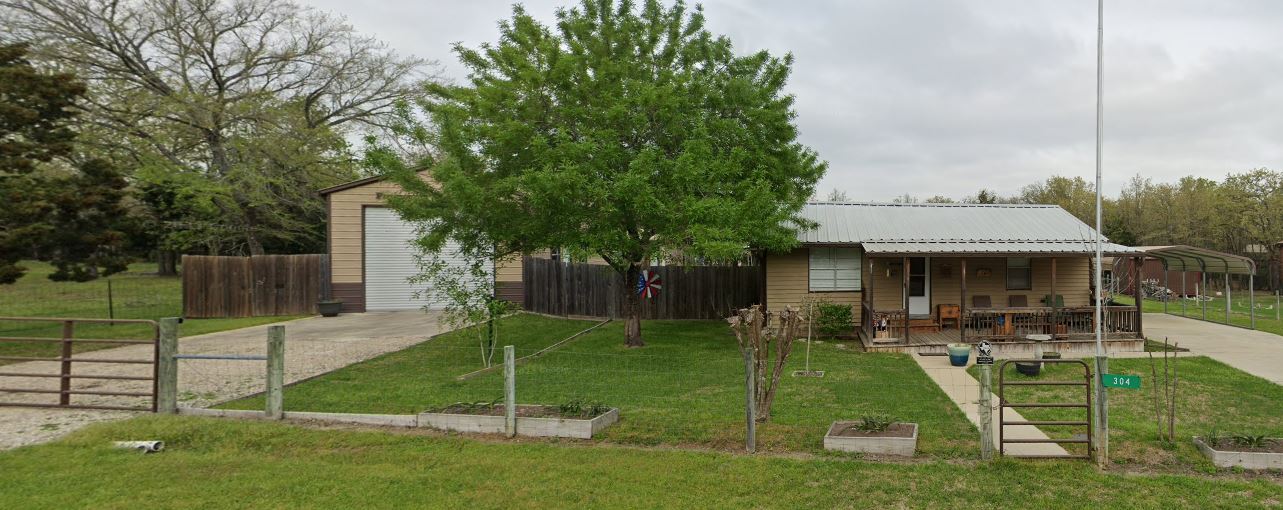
(901, 439)
(1245, 460)
(581, 428)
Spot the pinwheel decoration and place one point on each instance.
(648, 284)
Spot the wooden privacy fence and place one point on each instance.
(689, 292)
(253, 286)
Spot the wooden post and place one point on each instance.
(64, 385)
(962, 307)
(905, 294)
(275, 408)
(986, 412)
(750, 402)
(167, 367)
(510, 390)
(1054, 323)
(1203, 302)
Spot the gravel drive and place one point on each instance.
(313, 345)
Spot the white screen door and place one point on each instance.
(919, 286)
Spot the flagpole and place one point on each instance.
(1102, 431)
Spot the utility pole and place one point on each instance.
(1102, 419)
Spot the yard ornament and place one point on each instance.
(648, 284)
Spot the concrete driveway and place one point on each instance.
(313, 346)
(1255, 352)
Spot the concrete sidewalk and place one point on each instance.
(1255, 352)
(964, 390)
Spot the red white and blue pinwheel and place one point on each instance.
(648, 284)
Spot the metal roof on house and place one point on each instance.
(1189, 258)
(952, 228)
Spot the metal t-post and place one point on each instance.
(510, 390)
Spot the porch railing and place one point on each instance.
(1005, 324)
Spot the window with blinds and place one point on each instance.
(835, 269)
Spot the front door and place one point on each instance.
(919, 286)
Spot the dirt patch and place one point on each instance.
(1230, 445)
(895, 430)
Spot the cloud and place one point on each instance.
(950, 96)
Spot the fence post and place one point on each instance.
(510, 390)
(750, 402)
(986, 412)
(68, 331)
(275, 372)
(167, 367)
(1102, 411)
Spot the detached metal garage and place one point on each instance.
(371, 258)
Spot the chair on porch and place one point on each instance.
(1023, 323)
(979, 320)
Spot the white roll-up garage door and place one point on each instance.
(390, 261)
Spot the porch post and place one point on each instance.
(868, 291)
(962, 306)
(1054, 322)
(1140, 302)
(905, 294)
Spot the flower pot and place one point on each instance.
(959, 354)
(329, 308)
(1029, 368)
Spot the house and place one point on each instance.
(920, 276)
(371, 260)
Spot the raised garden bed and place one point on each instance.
(1228, 454)
(898, 439)
(532, 420)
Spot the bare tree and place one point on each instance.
(255, 96)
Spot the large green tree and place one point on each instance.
(239, 109)
(56, 208)
(626, 130)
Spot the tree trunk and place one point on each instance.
(166, 263)
(632, 307)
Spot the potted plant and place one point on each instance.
(959, 354)
(329, 307)
(1029, 368)
(873, 434)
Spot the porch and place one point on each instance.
(921, 303)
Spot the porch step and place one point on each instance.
(923, 325)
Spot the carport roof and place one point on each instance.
(1189, 258)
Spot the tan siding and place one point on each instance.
(508, 269)
(346, 223)
(788, 283)
(1073, 277)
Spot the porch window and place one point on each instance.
(835, 269)
(1018, 274)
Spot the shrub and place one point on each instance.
(832, 319)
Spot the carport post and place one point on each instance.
(1183, 294)
(167, 367)
(1200, 298)
(1251, 298)
(1228, 297)
(1167, 287)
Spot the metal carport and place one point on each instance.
(1188, 258)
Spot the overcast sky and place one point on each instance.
(949, 96)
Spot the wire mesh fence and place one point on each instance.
(119, 297)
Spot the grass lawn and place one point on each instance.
(136, 294)
(1210, 394)
(1239, 316)
(210, 463)
(686, 387)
